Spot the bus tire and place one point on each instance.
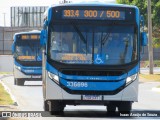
(46, 106)
(20, 82)
(111, 108)
(125, 107)
(15, 81)
(57, 108)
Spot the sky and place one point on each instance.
(6, 4)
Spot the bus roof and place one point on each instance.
(29, 32)
(89, 3)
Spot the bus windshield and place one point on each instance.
(93, 44)
(28, 50)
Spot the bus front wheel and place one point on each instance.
(19, 82)
(111, 108)
(125, 107)
(46, 106)
(56, 107)
(15, 81)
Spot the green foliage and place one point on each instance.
(123, 1)
(156, 16)
(156, 42)
(146, 63)
(155, 6)
(141, 4)
(5, 98)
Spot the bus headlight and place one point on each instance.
(53, 77)
(131, 79)
(19, 68)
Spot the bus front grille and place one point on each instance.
(92, 73)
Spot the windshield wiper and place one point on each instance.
(79, 33)
(105, 38)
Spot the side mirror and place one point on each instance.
(144, 39)
(43, 37)
(13, 48)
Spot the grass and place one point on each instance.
(146, 63)
(148, 77)
(6, 72)
(5, 98)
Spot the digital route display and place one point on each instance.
(94, 14)
(30, 37)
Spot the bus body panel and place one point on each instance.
(121, 90)
(55, 92)
(130, 93)
(19, 74)
(59, 93)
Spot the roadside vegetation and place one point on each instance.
(142, 5)
(149, 77)
(145, 64)
(5, 98)
(6, 73)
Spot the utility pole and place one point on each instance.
(4, 19)
(150, 48)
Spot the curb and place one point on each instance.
(9, 92)
(156, 89)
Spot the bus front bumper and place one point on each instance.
(54, 92)
(20, 75)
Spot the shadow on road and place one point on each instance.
(32, 86)
(103, 114)
(86, 114)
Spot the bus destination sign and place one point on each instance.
(30, 37)
(94, 14)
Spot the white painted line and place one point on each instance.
(156, 89)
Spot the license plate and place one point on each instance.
(36, 76)
(92, 97)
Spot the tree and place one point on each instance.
(142, 5)
(156, 11)
(156, 27)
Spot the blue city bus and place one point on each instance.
(27, 54)
(91, 55)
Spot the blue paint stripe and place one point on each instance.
(49, 14)
(98, 86)
(29, 70)
(51, 69)
(134, 70)
(74, 77)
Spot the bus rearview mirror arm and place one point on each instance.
(44, 35)
(144, 38)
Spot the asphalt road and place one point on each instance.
(146, 70)
(29, 98)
